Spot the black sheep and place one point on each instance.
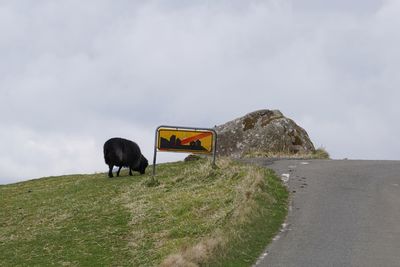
(124, 153)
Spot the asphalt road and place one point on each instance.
(343, 213)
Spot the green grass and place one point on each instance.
(248, 240)
(197, 214)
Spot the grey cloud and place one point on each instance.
(73, 75)
(339, 6)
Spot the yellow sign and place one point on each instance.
(185, 140)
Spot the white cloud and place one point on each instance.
(74, 74)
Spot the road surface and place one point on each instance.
(343, 213)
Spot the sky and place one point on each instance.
(75, 73)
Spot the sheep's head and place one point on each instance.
(143, 165)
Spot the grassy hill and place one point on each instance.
(197, 215)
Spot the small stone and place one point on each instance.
(192, 157)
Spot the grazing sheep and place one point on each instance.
(124, 153)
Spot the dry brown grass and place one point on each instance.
(319, 153)
(195, 255)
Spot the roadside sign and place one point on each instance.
(184, 139)
(189, 141)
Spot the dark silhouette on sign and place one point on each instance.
(175, 143)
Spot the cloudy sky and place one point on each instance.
(75, 73)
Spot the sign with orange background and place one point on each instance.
(182, 140)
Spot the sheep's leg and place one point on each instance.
(130, 171)
(120, 167)
(110, 170)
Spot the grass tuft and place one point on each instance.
(152, 182)
(319, 153)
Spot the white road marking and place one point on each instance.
(261, 258)
(304, 163)
(284, 227)
(285, 177)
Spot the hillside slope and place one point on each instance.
(91, 220)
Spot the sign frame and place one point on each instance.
(183, 129)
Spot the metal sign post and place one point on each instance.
(184, 139)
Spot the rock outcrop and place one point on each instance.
(262, 131)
